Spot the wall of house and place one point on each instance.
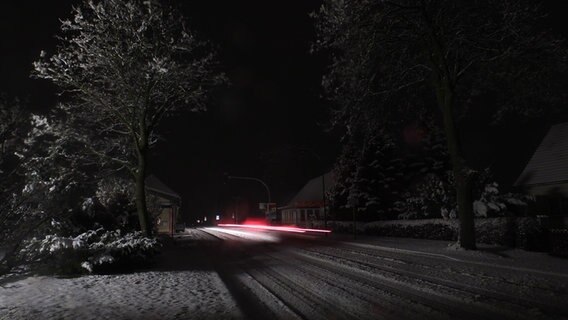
(165, 214)
(559, 189)
(301, 216)
(551, 199)
(165, 220)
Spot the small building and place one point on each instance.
(164, 205)
(309, 203)
(546, 174)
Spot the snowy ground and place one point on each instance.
(221, 273)
(145, 295)
(175, 288)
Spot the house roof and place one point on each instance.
(154, 184)
(312, 192)
(549, 163)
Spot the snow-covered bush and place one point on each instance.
(92, 251)
(493, 203)
(114, 203)
(433, 197)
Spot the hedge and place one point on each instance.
(521, 232)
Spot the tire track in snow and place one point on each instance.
(307, 296)
(298, 300)
(418, 293)
(307, 281)
(278, 309)
(486, 301)
(533, 284)
(386, 304)
(453, 274)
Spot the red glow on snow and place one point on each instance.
(274, 228)
(254, 222)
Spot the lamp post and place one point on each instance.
(324, 200)
(259, 181)
(236, 209)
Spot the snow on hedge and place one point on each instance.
(89, 250)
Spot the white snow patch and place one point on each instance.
(147, 295)
(252, 236)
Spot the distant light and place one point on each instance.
(217, 217)
(204, 219)
(198, 221)
(263, 227)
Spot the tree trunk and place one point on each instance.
(141, 207)
(462, 176)
(443, 81)
(466, 238)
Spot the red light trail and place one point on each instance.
(273, 228)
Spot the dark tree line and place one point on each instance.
(394, 60)
(121, 67)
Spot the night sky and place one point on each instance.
(268, 124)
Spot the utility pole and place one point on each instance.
(354, 224)
(236, 203)
(324, 201)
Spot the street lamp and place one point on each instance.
(228, 177)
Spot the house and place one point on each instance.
(309, 203)
(164, 205)
(546, 174)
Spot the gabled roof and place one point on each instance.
(549, 163)
(312, 192)
(154, 184)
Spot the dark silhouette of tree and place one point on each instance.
(124, 66)
(393, 59)
(13, 121)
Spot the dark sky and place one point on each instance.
(267, 124)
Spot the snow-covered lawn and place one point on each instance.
(145, 295)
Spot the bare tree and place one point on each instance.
(391, 59)
(124, 66)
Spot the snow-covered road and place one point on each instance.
(232, 273)
(323, 279)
